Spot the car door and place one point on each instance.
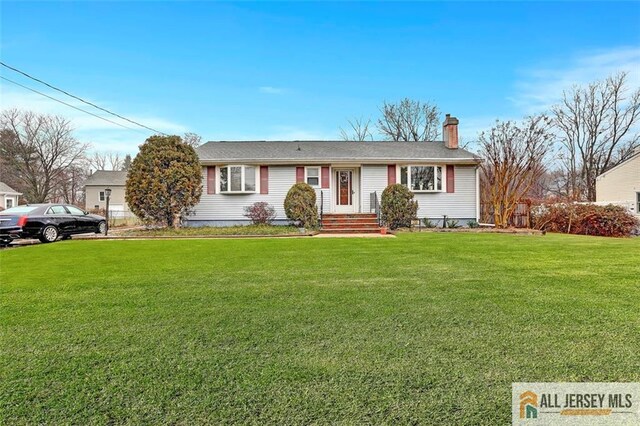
(59, 216)
(84, 223)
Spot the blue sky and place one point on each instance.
(299, 70)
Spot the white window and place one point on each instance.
(237, 179)
(9, 203)
(637, 202)
(101, 196)
(312, 176)
(422, 178)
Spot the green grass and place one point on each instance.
(423, 328)
(241, 230)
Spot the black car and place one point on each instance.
(47, 222)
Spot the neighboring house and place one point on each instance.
(621, 185)
(348, 176)
(95, 197)
(8, 196)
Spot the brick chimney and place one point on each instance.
(450, 132)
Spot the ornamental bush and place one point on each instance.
(585, 219)
(398, 208)
(300, 205)
(164, 180)
(260, 213)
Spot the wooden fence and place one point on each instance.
(521, 217)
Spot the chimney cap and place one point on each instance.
(450, 120)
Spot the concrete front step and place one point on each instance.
(350, 231)
(349, 215)
(350, 222)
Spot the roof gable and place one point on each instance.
(107, 177)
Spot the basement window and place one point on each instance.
(237, 179)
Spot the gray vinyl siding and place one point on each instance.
(374, 179)
(458, 205)
(230, 207)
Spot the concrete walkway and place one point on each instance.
(372, 235)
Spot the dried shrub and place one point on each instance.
(585, 219)
(260, 213)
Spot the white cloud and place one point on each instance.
(541, 87)
(270, 90)
(102, 135)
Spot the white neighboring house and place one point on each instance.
(621, 185)
(8, 196)
(95, 197)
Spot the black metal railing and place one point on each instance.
(321, 207)
(374, 205)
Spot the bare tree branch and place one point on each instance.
(359, 130)
(409, 120)
(598, 129)
(39, 149)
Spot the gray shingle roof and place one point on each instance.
(107, 177)
(330, 151)
(4, 188)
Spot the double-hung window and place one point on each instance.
(101, 196)
(422, 178)
(237, 179)
(312, 176)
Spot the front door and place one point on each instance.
(345, 191)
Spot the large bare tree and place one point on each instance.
(360, 130)
(409, 120)
(39, 149)
(598, 128)
(514, 157)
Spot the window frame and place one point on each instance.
(7, 201)
(638, 203)
(51, 212)
(319, 177)
(101, 196)
(243, 173)
(443, 177)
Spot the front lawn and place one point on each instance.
(423, 328)
(238, 230)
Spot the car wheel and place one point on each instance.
(49, 234)
(102, 227)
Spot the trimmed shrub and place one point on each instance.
(585, 219)
(300, 205)
(260, 213)
(398, 208)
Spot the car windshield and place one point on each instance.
(19, 210)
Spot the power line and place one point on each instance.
(69, 105)
(80, 99)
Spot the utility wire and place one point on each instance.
(69, 105)
(80, 99)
